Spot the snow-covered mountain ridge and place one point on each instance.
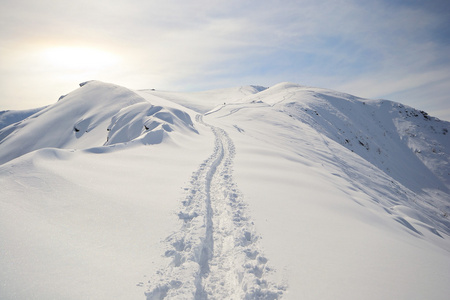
(242, 193)
(97, 114)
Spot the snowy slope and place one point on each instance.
(244, 193)
(8, 117)
(335, 222)
(94, 115)
(80, 220)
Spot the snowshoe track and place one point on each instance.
(216, 253)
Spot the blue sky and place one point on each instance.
(397, 50)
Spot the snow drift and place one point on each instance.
(243, 193)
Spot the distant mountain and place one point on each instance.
(290, 192)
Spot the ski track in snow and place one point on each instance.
(216, 254)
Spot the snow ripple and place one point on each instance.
(216, 253)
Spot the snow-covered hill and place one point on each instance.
(97, 114)
(286, 192)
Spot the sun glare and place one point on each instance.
(79, 58)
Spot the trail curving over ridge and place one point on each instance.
(216, 253)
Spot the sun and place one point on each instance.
(79, 58)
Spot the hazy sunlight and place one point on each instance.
(79, 58)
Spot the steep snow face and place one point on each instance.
(94, 115)
(396, 139)
(146, 123)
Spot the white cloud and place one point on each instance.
(373, 47)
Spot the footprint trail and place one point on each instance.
(216, 253)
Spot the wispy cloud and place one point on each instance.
(371, 49)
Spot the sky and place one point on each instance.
(390, 49)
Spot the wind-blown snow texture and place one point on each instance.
(285, 192)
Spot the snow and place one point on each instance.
(78, 224)
(8, 117)
(335, 226)
(243, 193)
(202, 102)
